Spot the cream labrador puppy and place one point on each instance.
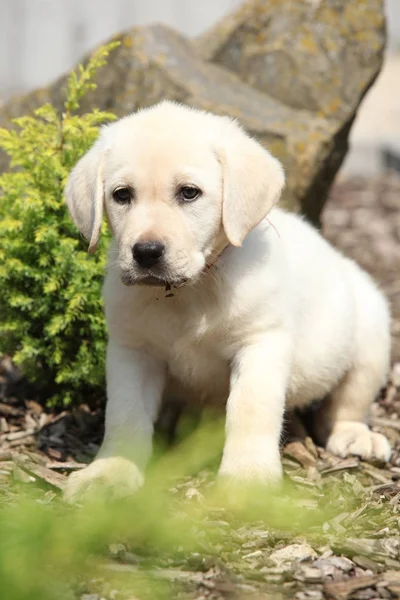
(208, 299)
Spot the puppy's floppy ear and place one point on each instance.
(252, 182)
(84, 194)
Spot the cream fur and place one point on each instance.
(281, 318)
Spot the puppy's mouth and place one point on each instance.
(152, 281)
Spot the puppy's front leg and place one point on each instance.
(255, 410)
(135, 383)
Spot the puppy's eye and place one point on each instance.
(188, 193)
(123, 195)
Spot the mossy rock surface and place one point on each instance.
(293, 72)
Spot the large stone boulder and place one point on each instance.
(318, 55)
(293, 72)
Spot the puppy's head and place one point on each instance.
(177, 186)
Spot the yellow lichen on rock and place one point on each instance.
(292, 72)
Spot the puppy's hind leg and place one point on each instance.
(345, 414)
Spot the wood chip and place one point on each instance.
(390, 490)
(309, 444)
(342, 563)
(342, 465)
(65, 466)
(367, 563)
(55, 454)
(34, 456)
(378, 474)
(7, 466)
(356, 514)
(299, 452)
(341, 590)
(391, 563)
(54, 479)
(21, 475)
(9, 411)
(309, 574)
(379, 422)
(378, 549)
(5, 455)
(395, 589)
(28, 440)
(19, 435)
(391, 578)
(35, 407)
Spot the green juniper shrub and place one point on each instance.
(51, 317)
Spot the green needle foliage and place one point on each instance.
(51, 317)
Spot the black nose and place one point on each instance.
(147, 254)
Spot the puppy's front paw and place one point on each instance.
(256, 461)
(114, 477)
(350, 437)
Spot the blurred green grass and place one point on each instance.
(49, 550)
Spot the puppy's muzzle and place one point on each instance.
(148, 254)
(150, 266)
